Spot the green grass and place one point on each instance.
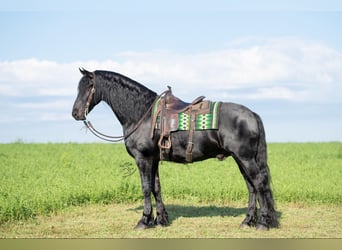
(44, 178)
(307, 172)
(40, 179)
(187, 220)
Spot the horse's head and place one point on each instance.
(84, 102)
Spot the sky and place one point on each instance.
(281, 60)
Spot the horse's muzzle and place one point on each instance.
(78, 115)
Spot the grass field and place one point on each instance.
(41, 183)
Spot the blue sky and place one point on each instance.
(282, 60)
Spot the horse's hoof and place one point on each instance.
(158, 224)
(244, 226)
(162, 221)
(261, 227)
(142, 226)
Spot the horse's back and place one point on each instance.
(237, 116)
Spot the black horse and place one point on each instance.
(240, 134)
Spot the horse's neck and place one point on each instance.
(129, 106)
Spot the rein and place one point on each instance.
(109, 138)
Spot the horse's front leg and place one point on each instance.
(162, 216)
(147, 182)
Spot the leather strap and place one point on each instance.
(188, 153)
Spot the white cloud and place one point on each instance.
(33, 77)
(34, 91)
(280, 68)
(43, 105)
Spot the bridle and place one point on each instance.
(90, 96)
(109, 138)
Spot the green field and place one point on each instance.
(40, 179)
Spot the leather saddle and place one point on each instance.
(176, 105)
(168, 109)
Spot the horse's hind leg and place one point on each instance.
(258, 179)
(268, 217)
(251, 216)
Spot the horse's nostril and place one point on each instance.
(74, 114)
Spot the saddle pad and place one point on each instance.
(203, 121)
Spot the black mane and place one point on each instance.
(123, 95)
(123, 81)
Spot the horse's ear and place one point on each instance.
(86, 73)
(82, 70)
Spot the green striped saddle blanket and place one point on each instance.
(203, 121)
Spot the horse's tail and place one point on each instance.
(261, 160)
(261, 156)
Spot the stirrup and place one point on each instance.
(167, 144)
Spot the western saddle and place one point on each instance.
(168, 109)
